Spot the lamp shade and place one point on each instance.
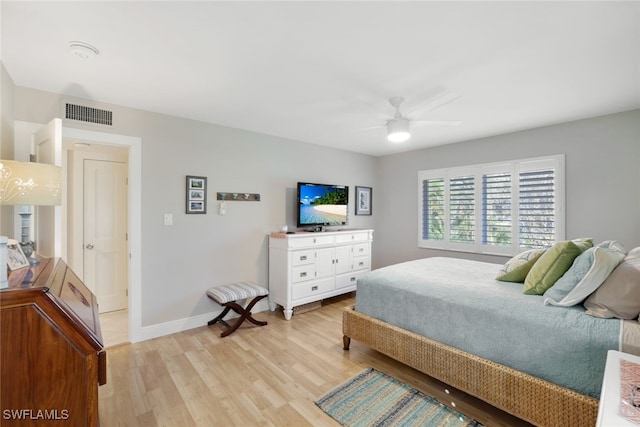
(27, 183)
(398, 130)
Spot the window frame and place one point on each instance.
(514, 168)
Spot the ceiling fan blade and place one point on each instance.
(436, 122)
(436, 102)
(371, 128)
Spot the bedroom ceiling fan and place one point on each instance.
(399, 127)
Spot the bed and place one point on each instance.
(438, 314)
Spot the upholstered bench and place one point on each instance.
(227, 295)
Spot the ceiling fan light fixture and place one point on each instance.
(398, 130)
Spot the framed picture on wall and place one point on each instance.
(363, 200)
(196, 194)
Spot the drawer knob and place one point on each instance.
(314, 288)
(303, 258)
(303, 274)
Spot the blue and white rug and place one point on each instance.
(375, 399)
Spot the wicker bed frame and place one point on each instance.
(524, 396)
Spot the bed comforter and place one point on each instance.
(459, 303)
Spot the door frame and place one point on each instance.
(135, 215)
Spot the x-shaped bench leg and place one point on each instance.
(245, 314)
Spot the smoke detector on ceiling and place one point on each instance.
(83, 50)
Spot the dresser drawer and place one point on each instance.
(361, 249)
(303, 257)
(311, 241)
(347, 280)
(302, 242)
(303, 272)
(352, 237)
(310, 289)
(361, 263)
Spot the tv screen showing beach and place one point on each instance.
(322, 204)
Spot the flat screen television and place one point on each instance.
(322, 204)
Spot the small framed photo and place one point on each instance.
(196, 194)
(363, 200)
(16, 258)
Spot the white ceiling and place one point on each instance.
(322, 72)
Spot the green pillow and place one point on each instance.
(552, 265)
(584, 243)
(516, 269)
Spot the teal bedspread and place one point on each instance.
(459, 303)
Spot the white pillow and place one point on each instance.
(587, 272)
(612, 244)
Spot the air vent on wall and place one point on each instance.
(88, 114)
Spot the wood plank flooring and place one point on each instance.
(115, 327)
(258, 376)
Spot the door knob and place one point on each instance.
(89, 246)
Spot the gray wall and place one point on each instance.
(602, 173)
(179, 263)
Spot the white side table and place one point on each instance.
(609, 414)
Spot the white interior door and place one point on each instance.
(105, 232)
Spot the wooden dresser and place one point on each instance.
(52, 359)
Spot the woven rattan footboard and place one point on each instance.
(527, 397)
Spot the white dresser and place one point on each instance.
(306, 267)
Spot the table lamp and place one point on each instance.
(26, 183)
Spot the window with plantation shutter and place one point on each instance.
(433, 203)
(461, 209)
(496, 208)
(537, 208)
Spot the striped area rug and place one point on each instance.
(375, 399)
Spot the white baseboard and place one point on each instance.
(174, 326)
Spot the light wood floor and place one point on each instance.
(114, 326)
(258, 376)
